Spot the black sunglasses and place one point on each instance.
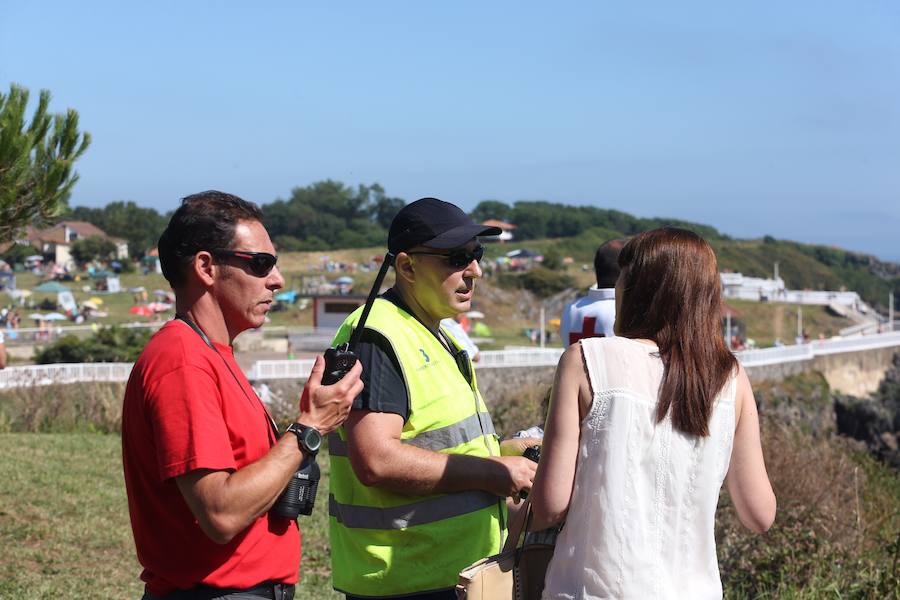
(460, 257)
(260, 263)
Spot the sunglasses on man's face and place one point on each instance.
(460, 257)
(259, 263)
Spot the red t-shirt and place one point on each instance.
(184, 411)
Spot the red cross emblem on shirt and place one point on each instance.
(587, 330)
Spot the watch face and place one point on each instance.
(312, 439)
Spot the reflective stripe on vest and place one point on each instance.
(410, 515)
(470, 428)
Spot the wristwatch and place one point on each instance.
(308, 438)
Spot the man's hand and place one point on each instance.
(513, 475)
(517, 446)
(326, 407)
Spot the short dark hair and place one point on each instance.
(204, 221)
(606, 262)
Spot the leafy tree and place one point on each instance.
(17, 253)
(93, 248)
(139, 226)
(384, 208)
(329, 214)
(36, 160)
(491, 209)
(552, 260)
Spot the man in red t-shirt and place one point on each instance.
(203, 460)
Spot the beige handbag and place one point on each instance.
(517, 573)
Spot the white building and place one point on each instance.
(757, 289)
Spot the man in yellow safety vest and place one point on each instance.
(419, 481)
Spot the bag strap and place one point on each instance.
(517, 526)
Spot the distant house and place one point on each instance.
(55, 243)
(151, 260)
(506, 234)
(330, 310)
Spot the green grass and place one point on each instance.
(766, 321)
(64, 518)
(64, 525)
(65, 532)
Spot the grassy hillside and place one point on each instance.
(802, 266)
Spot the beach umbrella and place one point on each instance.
(51, 286)
(55, 316)
(289, 296)
(96, 300)
(89, 304)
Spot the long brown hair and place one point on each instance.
(671, 294)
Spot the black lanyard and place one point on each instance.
(187, 320)
(460, 356)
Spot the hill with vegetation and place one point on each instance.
(329, 215)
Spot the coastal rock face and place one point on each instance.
(874, 420)
(803, 401)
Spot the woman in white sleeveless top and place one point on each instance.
(642, 431)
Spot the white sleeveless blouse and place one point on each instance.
(642, 516)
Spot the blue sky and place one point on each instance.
(778, 118)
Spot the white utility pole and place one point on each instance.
(800, 324)
(891, 311)
(542, 325)
(728, 329)
(776, 270)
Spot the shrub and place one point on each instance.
(516, 408)
(540, 281)
(837, 528)
(110, 344)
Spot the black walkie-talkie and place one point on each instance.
(340, 359)
(299, 496)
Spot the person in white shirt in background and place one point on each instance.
(594, 315)
(455, 329)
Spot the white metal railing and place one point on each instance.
(530, 357)
(490, 359)
(776, 355)
(280, 369)
(853, 344)
(33, 375)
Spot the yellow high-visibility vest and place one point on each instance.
(384, 543)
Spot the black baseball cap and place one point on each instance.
(433, 223)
